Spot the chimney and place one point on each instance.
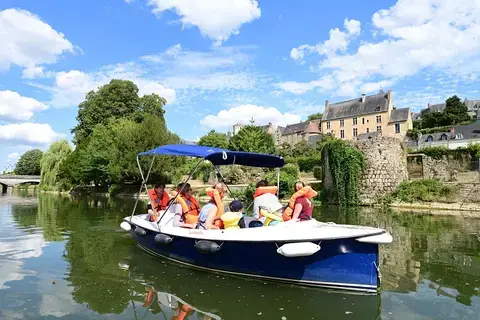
(452, 129)
(326, 104)
(389, 95)
(363, 97)
(429, 105)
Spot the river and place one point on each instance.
(67, 258)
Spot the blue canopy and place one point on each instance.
(218, 156)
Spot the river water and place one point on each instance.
(67, 258)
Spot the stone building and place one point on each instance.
(275, 132)
(473, 108)
(349, 119)
(303, 131)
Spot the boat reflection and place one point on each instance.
(179, 292)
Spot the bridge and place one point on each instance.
(8, 181)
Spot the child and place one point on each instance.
(237, 206)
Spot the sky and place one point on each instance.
(220, 62)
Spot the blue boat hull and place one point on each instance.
(341, 263)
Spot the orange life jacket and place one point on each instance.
(149, 298)
(183, 313)
(215, 195)
(263, 190)
(307, 191)
(190, 207)
(158, 204)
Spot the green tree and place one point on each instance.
(29, 163)
(253, 139)
(315, 116)
(51, 161)
(456, 110)
(214, 139)
(115, 100)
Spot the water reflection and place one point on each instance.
(67, 257)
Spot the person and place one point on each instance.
(303, 206)
(186, 217)
(237, 206)
(158, 201)
(266, 200)
(210, 212)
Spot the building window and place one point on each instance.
(355, 132)
(354, 121)
(429, 139)
(379, 128)
(328, 124)
(342, 123)
(379, 119)
(368, 130)
(342, 134)
(363, 120)
(444, 137)
(397, 127)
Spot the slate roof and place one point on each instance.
(472, 105)
(434, 108)
(294, 128)
(467, 131)
(399, 115)
(281, 129)
(351, 108)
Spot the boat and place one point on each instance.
(307, 253)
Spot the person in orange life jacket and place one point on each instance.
(303, 206)
(268, 200)
(158, 201)
(209, 212)
(192, 204)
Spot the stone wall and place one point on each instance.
(386, 167)
(449, 168)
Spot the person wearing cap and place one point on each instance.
(237, 206)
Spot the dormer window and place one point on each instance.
(377, 108)
(429, 139)
(444, 137)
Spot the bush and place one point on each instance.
(435, 152)
(422, 190)
(291, 169)
(318, 172)
(306, 164)
(287, 182)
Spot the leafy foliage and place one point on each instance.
(253, 139)
(315, 116)
(422, 190)
(29, 163)
(214, 139)
(346, 165)
(438, 152)
(50, 164)
(115, 100)
(455, 113)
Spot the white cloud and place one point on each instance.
(225, 119)
(34, 133)
(422, 35)
(33, 72)
(338, 40)
(27, 41)
(172, 73)
(302, 87)
(12, 157)
(15, 107)
(217, 19)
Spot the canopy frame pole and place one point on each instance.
(223, 179)
(144, 182)
(278, 182)
(180, 191)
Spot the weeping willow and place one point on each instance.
(50, 163)
(346, 165)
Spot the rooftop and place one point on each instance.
(399, 115)
(357, 107)
(294, 128)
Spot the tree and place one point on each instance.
(214, 139)
(29, 163)
(115, 100)
(51, 161)
(253, 139)
(456, 110)
(315, 116)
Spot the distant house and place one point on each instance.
(473, 108)
(188, 142)
(269, 128)
(303, 131)
(375, 113)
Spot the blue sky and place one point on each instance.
(219, 62)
